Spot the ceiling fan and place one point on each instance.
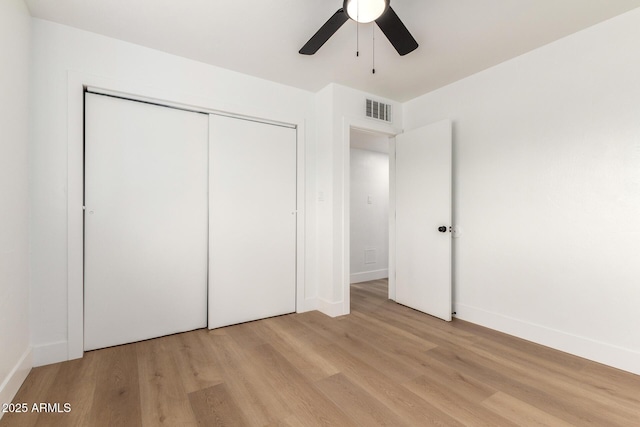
(365, 11)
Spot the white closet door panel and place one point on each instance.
(252, 244)
(145, 221)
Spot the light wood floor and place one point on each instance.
(384, 364)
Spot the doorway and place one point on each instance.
(420, 227)
(369, 206)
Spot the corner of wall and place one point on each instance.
(11, 384)
(15, 49)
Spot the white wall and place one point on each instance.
(338, 109)
(320, 193)
(58, 49)
(547, 191)
(15, 350)
(369, 197)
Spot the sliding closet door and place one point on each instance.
(145, 221)
(252, 243)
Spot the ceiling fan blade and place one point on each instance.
(324, 33)
(396, 32)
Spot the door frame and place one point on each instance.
(77, 83)
(368, 125)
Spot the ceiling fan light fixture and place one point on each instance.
(365, 11)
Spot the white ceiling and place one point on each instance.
(457, 37)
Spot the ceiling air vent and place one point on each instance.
(378, 110)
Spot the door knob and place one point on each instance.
(442, 229)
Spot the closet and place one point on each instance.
(190, 220)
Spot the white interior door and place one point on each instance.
(252, 217)
(423, 204)
(145, 221)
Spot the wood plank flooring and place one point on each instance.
(384, 364)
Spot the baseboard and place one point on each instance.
(369, 275)
(611, 355)
(331, 309)
(50, 353)
(16, 377)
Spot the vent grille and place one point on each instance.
(378, 110)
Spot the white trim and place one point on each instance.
(365, 276)
(611, 355)
(177, 105)
(371, 126)
(76, 84)
(331, 309)
(15, 378)
(75, 228)
(392, 219)
(300, 216)
(50, 353)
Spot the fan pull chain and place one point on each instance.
(358, 29)
(373, 50)
(357, 38)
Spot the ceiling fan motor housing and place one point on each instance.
(365, 11)
(373, 10)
